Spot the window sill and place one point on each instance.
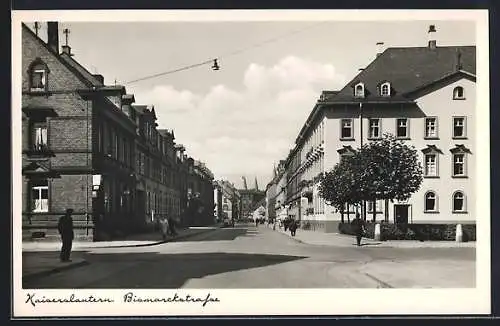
(403, 138)
(347, 139)
(459, 177)
(431, 138)
(37, 92)
(431, 212)
(459, 137)
(459, 98)
(431, 176)
(374, 138)
(459, 212)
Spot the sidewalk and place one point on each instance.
(344, 240)
(42, 258)
(135, 240)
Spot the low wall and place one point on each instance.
(320, 226)
(416, 231)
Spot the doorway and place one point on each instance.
(401, 213)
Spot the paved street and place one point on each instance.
(250, 257)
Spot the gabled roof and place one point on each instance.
(408, 69)
(84, 72)
(75, 71)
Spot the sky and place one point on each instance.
(245, 117)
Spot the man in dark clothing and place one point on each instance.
(293, 227)
(65, 228)
(359, 228)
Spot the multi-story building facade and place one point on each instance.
(248, 199)
(200, 194)
(87, 147)
(423, 95)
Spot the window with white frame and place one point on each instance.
(39, 136)
(402, 130)
(385, 89)
(374, 128)
(459, 169)
(431, 165)
(431, 127)
(458, 93)
(430, 201)
(40, 196)
(459, 127)
(38, 76)
(459, 202)
(346, 129)
(359, 90)
(374, 204)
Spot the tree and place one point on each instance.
(385, 169)
(338, 186)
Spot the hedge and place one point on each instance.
(422, 232)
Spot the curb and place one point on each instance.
(33, 276)
(155, 243)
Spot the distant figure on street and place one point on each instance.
(293, 227)
(65, 228)
(359, 228)
(164, 226)
(257, 222)
(171, 226)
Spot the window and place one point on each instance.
(38, 76)
(431, 168)
(402, 128)
(459, 127)
(359, 90)
(385, 89)
(459, 202)
(371, 205)
(374, 130)
(39, 137)
(459, 164)
(458, 93)
(431, 128)
(430, 201)
(40, 196)
(346, 129)
(116, 147)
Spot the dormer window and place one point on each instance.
(38, 76)
(359, 90)
(458, 93)
(385, 89)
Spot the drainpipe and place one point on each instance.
(363, 203)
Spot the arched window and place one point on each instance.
(430, 201)
(385, 89)
(38, 76)
(458, 201)
(359, 90)
(458, 93)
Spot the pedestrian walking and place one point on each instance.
(171, 226)
(65, 228)
(359, 228)
(257, 222)
(293, 227)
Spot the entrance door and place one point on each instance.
(401, 213)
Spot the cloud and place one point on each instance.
(244, 132)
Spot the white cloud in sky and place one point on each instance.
(244, 132)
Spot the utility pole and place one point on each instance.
(37, 27)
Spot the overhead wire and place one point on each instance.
(233, 53)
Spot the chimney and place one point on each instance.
(431, 34)
(100, 78)
(66, 49)
(53, 36)
(380, 48)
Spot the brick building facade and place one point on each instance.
(87, 146)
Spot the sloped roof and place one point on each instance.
(84, 72)
(408, 69)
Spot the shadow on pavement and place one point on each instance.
(223, 234)
(157, 270)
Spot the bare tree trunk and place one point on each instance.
(387, 210)
(374, 211)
